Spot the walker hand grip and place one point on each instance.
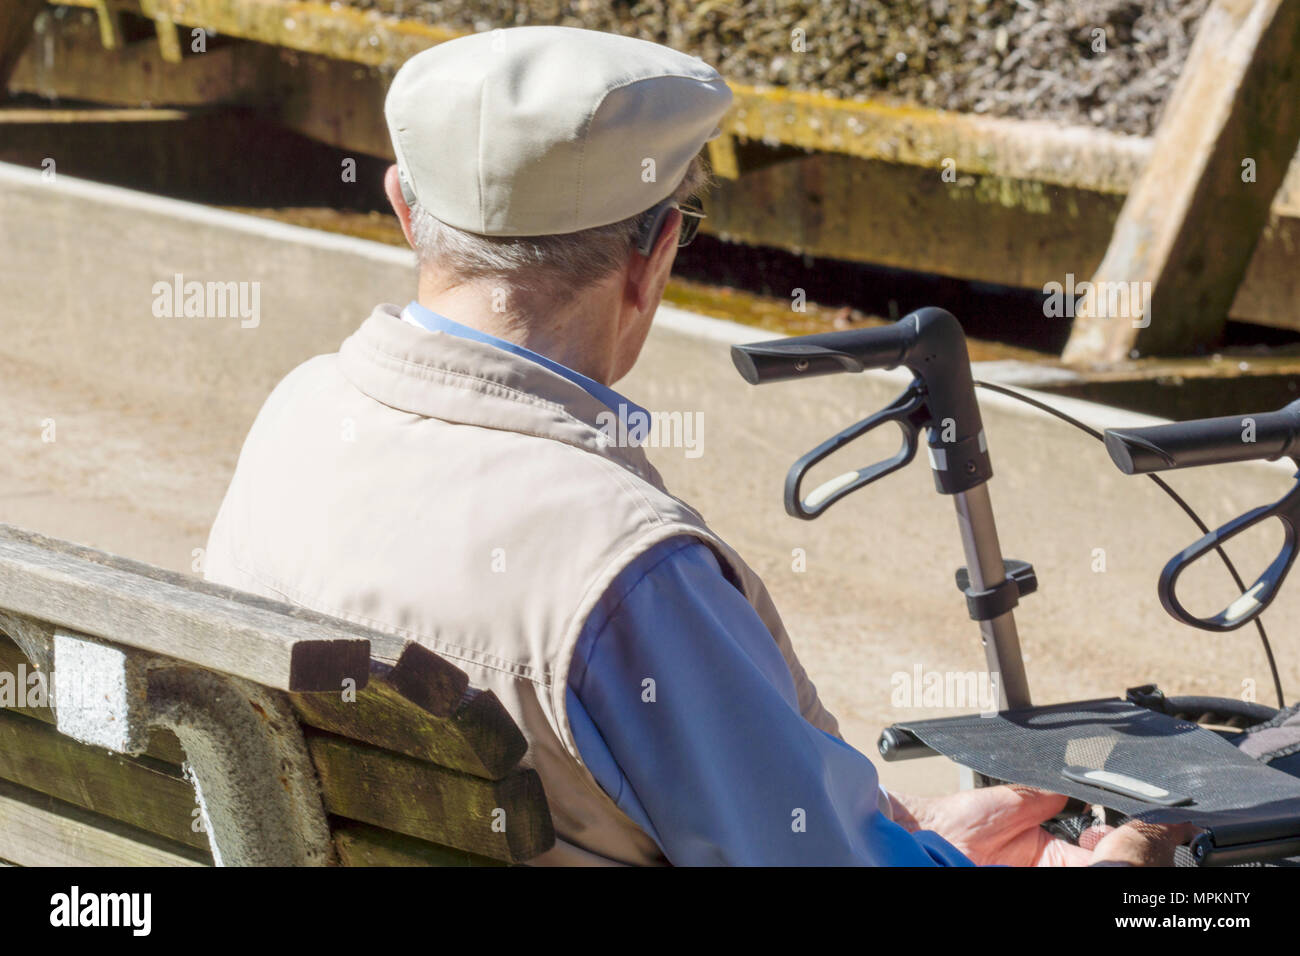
(930, 342)
(903, 411)
(1258, 595)
(824, 354)
(1206, 441)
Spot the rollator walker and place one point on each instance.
(1228, 766)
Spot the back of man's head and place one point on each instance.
(533, 156)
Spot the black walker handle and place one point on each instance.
(826, 353)
(941, 399)
(904, 411)
(1206, 441)
(1257, 596)
(1266, 436)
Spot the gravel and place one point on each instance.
(1108, 63)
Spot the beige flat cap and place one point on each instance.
(534, 131)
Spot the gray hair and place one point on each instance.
(537, 271)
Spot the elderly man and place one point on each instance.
(445, 477)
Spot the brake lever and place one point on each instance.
(1259, 595)
(908, 411)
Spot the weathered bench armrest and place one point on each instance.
(147, 608)
(304, 739)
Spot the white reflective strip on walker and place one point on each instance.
(1128, 783)
(826, 489)
(1246, 603)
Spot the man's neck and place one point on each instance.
(575, 336)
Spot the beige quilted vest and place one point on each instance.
(465, 498)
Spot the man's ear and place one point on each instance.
(645, 274)
(393, 189)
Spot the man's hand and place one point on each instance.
(1142, 844)
(1001, 825)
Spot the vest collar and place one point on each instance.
(454, 379)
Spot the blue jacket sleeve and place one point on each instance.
(684, 711)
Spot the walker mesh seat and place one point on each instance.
(1173, 770)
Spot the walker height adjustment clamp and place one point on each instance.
(985, 605)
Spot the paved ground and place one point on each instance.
(146, 435)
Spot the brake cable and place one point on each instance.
(1160, 483)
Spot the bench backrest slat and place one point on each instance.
(154, 798)
(38, 830)
(360, 844)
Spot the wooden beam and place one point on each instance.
(17, 18)
(140, 606)
(28, 116)
(343, 32)
(74, 64)
(965, 143)
(1191, 223)
(1014, 232)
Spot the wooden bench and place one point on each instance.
(151, 718)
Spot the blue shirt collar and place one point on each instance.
(417, 314)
